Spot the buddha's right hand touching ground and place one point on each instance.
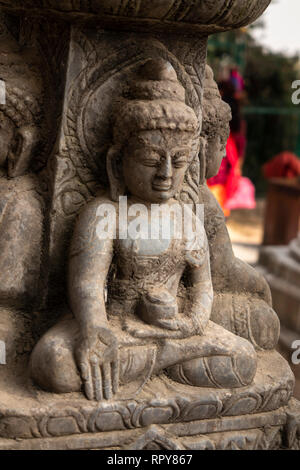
(98, 363)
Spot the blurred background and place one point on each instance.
(258, 186)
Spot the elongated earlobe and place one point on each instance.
(20, 154)
(114, 171)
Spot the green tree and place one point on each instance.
(272, 120)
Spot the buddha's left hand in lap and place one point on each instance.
(179, 328)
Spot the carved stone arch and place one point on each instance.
(88, 120)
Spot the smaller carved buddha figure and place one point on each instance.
(215, 127)
(20, 205)
(127, 323)
(242, 302)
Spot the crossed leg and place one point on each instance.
(218, 359)
(254, 320)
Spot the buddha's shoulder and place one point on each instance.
(98, 206)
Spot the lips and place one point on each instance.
(162, 186)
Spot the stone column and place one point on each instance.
(281, 267)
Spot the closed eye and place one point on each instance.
(151, 162)
(151, 158)
(179, 160)
(179, 163)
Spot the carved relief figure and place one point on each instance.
(20, 205)
(242, 301)
(140, 331)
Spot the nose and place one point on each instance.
(165, 169)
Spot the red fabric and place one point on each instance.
(240, 141)
(238, 192)
(283, 165)
(243, 197)
(234, 172)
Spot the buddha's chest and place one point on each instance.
(149, 259)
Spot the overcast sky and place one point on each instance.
(282, 27)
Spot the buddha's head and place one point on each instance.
(156, 137)
(18, 132)
(215, 126)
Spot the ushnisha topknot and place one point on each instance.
(157, 101)
(215, 110)
(157, 80)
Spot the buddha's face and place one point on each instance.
(216, 142)
(216, 150)
(6, 138)
(155, 163)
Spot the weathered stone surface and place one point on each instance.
(161, 401)
(266, 431)
(166, 413)
(199, 16)
(281, 267)
(142, 357)
(21, 203)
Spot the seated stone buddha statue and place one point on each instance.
(242, 300)
(126, 320)
(21, 206)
